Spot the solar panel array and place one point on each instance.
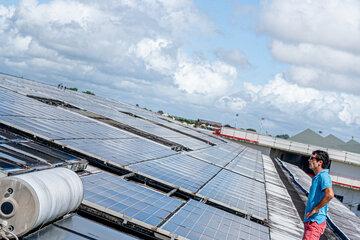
(129, 198)
(199, 221)
(248, 163)
(215, 192)
(78, 228)
(217, 155)
(115, 111)
(180, 170)
(19, 154)
(237, 191)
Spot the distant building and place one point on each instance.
(308, 136)
(208, 123)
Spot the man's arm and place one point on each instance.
(329, 194)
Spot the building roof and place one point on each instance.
(332, 141)
(308, 136)
(351, 146)
(147, 176)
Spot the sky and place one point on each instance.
(295, 64)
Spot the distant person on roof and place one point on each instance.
(320, 194)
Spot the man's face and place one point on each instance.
(313, 162)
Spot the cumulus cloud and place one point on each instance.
(320, 40)
(231, 103)
(234, 57)
(202, 77)
(120, 44)
(322, 57)
(313, 105)
(333, 23)
(324, 80)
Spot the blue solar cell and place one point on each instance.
(217, 155)
(238, 191)
(181, 170)
(131, 199)
(78, 228)
(248, 163)
(196, 220)
(121, 151)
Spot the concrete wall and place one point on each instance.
(345, 170)
(351, 198)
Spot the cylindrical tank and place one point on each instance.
(33, 199)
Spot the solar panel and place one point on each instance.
(111, 110)
(181, 170)
(196, 220)
(121, 151)
(248, 163)
(237, 191)
(146, 126)
(19, 154)
(78, 228)
(129, 198)
(13, 104)
(216, 155)
(60, 129)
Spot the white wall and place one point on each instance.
(345, 170)
(351, 196)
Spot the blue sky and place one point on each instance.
(296, 64)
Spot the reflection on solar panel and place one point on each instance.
(113, 110)
(180, 170)
(217, 155)
(121, 151)
(60, 129)
(279, 198)
(237, 191)
(129, 198)
(19, 154)
(78, 228)
(248, 163)
(196, 220)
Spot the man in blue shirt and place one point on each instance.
(320, 194)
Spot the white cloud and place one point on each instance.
(234, 57)
(203, 77)
(153, 53)
(122, 44)
(324, 80)
(319, 56)
(319, 39)
(234, 104)
(304, 103)
(333, 23)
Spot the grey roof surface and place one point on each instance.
(332, 141)
(351, 146)
(152, 188)
(308, 136)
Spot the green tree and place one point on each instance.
(283, 136)
(88, 92)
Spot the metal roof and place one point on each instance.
(308, 136)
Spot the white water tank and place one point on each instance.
(32, 199)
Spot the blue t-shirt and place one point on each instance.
(320, 182)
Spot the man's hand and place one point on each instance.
(312, 212)
(329, 194)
